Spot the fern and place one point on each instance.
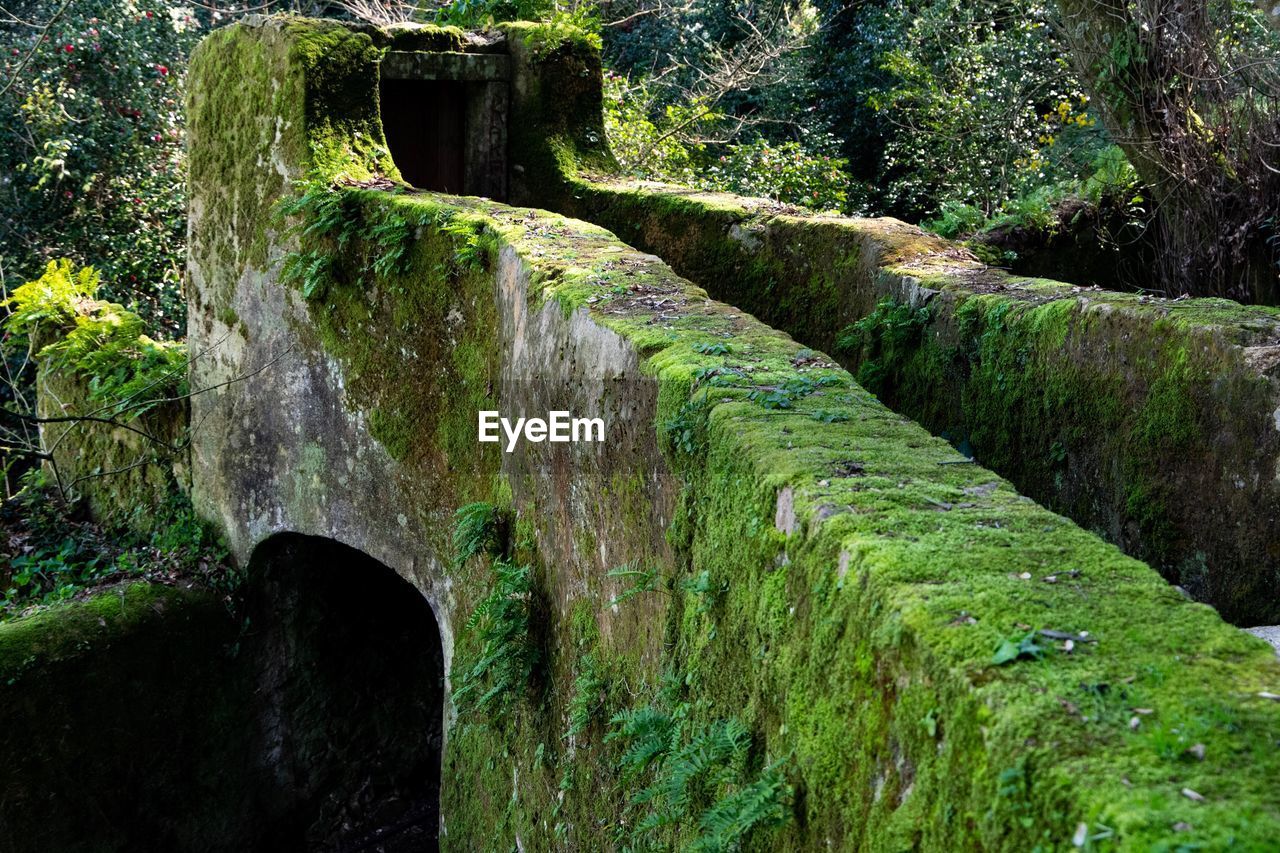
(326, 220)
(707, 768)
(509, 654)
(643, 580)
(475, 244)
(102, 342)
(587, 698)
(475, 532)
(649, 733)
(701, 765)
(761, 804)
(55, 299)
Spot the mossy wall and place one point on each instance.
(126, 467)
(147, 717)
(1152, 422)
(871, 607)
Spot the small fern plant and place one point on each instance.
(102, 342)
(762, 804)
(476, 531)
(325, 220)
(509, 656)
(698, 777)
(588, 697)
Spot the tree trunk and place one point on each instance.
(1194, 109)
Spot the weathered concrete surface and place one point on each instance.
(836, 583)
(1270, 633)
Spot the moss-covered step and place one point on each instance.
(1155, 423)
(898, 649)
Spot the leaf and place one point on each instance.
(1017, 647)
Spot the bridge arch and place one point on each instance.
(350, 677)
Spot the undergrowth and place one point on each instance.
(883, 338)
(694, 775)
(50, 551)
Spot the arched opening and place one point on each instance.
(349, 684)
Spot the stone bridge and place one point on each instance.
(925, 657)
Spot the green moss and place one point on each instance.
(545, 39)
(1050, 406)
(60, 631)
(421, 37)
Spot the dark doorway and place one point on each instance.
(425, 125)
(350, 677)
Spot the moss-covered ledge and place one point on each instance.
(1152, 422)
(870, 585)
(119, 721)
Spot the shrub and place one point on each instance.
(127, 371)
(91, 147)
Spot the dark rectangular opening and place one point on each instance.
(425, 124)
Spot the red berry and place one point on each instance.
(69, 48)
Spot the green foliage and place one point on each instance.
(331, 225)
(686, 430)
(49, 552)
(883, 339)
(325, 221)
(478, 244)
(653, 139)
(648, 135)
(54, 301)
(706, 591)
(690, 772)
(785, 395)
(587, 701)
(91, 146)
(698, 776)
(943, 103)
(558, 21)
(787, 172)
(476, 531)
(1017, 648)
(510, 653)
(761, 804)
(1112, 184)
(643, 580)
(647, 733)
(127, 371)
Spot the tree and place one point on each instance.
(1189, 89)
